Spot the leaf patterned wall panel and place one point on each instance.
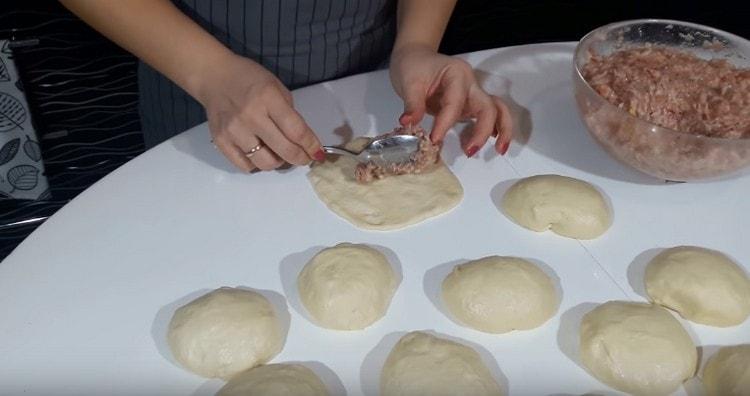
(83, 97)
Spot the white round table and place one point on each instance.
(84, 300)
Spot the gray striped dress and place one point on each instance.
(301, 41)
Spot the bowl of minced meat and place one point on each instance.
(669, 98)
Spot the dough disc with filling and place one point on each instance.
(387, 204)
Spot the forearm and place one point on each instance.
(159, 34)
(422, 22)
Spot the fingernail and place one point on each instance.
(404, 119)
(319, 155)
(471, 151)
(504, 147)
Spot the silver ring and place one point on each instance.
(254, 150)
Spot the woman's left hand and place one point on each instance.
(447, 88)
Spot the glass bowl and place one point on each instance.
(661, 152)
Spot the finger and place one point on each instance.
(244, 135)
(451, 104)
(295, 130)
(233, 153)
(415, 98)
(503, 126)
(275, 139)
(486, 113)
(264, 159)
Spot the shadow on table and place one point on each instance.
(637, 271)
(568, 333)
(372, 365)
(203, 150)
(522, 122)
(498, 192)
(567, 140)
(209, 388)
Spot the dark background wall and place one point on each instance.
(481, 24)
(83, 97)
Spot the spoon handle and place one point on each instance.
(339, 151)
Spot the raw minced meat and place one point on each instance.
(675, 89)
(426, 156)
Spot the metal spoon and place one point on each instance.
(394, 149)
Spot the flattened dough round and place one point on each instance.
(347, 287)
(637, 348)
(727, 372)
(500, 294)
(702, 285)
(423, 365)
(387, 204)
(564, 205)
(225, 332)
(275, 380)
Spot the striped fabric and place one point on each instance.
(301, 41)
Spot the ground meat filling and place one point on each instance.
(675, 90)
(427, 156)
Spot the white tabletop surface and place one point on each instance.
(84, 301)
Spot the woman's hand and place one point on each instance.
(447, 88)
(246, 105)
(247, 108)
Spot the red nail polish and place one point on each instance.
(404, 119)
(319, 155)
(471, 151)
(504, 147)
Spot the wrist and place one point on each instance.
(404, 46)
(405, 49)
(201, 80)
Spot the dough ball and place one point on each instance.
(637, 348)
(275, 380)
(500, 294)
(387, 204)
(567, 206)
(347, 287)
(225, 332)
(702, 285)
(727, 373)
(424, 365)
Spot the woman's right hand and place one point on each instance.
(248, 106)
